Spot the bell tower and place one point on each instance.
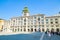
(25, 11)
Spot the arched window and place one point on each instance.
(24, 20)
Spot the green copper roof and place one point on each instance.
(25, 10)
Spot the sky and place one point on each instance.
(13, 8)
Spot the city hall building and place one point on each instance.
(34, 23)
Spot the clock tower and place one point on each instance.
(25, 11)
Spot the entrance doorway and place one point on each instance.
(35, 30)
(31, 29)
(57, 30)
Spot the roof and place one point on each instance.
(25, 10)
(57, 14)
(54, 16)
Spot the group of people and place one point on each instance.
(52, 32)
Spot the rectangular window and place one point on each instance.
(31, 26)
(21, 29)
(38, 19)
(47, 25)
(42, 22)
(39, 22)
(35, 26)
(42, 25)
(34, 21)
(21, 18)
(21, 26)
(14, 21)
(46, 22)
(34, 17)
(56, 19)
(52, 25)
(46, 19)
(24, 23)
(42, 16)
(39, 26)
(57, 25)
(51, 19)
(24, 20)
(51, 22)
(18, 18)
(28, 26)
(56, 22)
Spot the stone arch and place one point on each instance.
(39, 30)
(28, 30)
(52, 30)
(43, 29)
(35, 30)
(31, 29)
(47, 29)
(57, 30)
